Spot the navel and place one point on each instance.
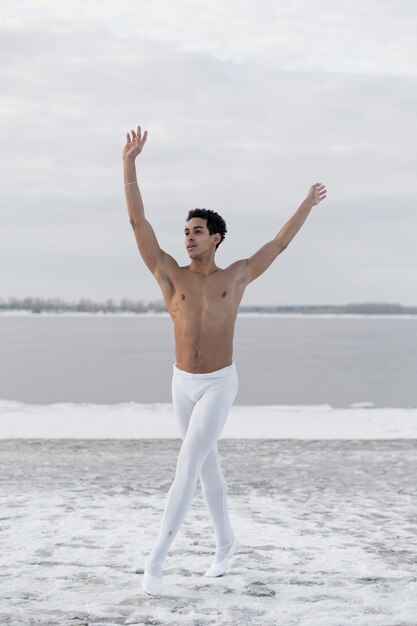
(183, 296)
(224, 294)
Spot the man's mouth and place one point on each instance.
(191, 246)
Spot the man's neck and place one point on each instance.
(203, 266)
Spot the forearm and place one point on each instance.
(132, 192)
(262, 259)
(291, 228)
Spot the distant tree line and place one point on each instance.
(363, 308)
(84, 305)
(126, 305)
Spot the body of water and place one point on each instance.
(281, 360)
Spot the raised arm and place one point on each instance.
(154, 257)
(255, 265)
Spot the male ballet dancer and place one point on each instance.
(203, 302)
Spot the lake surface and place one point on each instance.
(281, 360)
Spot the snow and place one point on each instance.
(322, 499)
(143, 421)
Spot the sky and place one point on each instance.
(246, 106)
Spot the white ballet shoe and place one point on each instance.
(218, 568)
(151, 584)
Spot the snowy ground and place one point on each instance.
(131, 420)
(328, 531)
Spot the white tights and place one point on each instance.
(201, 406)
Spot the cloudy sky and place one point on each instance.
(246, 104)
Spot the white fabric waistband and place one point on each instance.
(225, 371)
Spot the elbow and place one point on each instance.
(134, 222)
(134, 225)
(282, 243)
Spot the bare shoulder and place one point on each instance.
(170, 263)
(238, 270)
(237, 266)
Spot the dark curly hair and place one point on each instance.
(215, 223)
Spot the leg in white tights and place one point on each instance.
(202, 403)
(213, 483)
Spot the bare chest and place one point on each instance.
(195, 294)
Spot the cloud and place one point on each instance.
(243, 115)
(375, 37)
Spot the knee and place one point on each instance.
(212, 479)
(217, 488)
(188, 468)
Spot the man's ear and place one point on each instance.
(218, 238)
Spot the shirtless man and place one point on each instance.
(203, 301)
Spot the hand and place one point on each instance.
(317, 193)
(135, 144)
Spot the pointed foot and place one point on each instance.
(151, 584)
(218, 568)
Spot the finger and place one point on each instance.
(145, 136)
(133, 134)
(139, 131)
(128, 137)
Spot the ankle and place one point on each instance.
(153, 567)
(222, 551)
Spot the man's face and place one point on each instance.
(197, 237)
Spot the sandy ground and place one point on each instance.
(328, 532)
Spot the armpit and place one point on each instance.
(165, 282)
